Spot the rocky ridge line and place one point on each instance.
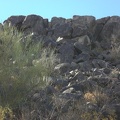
(83, 45)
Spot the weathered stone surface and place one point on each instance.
(65, 52)
(50, 90)
(99, 63)
(83, 44)
(82, 24)
(116, 107)
(118, 66)
(84, 85)
(106, 70)
(110, 32)
(99, 27)
(82, 57)
(62, 68)
(63, 30)
(87, 21)
(79, 31)
(91, 107)
(105, 55)
(61, 27)
(60, 83)
(69, 90)
(57, 21)
(74, 65)
(72, 96)
(86, 65)
(76, 76)
(34, 23)
(84, 40)
(15, 21)
(101, 81)
(49, 42)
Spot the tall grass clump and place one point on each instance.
(115, 49)
(115, 53)
(23, 64)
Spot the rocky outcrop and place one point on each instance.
(89, 69)
(103, 30)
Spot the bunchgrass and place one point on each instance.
(23, 65)
(115, 49)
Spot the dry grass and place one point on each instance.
(96, 97)
(115, 50)
(22, 67)
(115, 53)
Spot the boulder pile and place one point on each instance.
(89, 67)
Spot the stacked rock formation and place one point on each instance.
(87, 64)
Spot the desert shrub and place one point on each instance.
(115, 53)
(23, 65)
(94, 106)
(115, 49)
(81, 111)
(96, 97)
(6, 113)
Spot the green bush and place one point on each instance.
(23, 65)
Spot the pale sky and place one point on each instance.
(59, 8)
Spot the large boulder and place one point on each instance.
(82, 57)
(107, 31)
(79, 31)
(61, 27)
(99, 27)
(56, 21)
(87, 21)
(97, 63)
(82, 25)
(85, 66)
(62, 68)
(63, 30)
(15, 21)
(65, 52)
(35, 24)
(83, 44)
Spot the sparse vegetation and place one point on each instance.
(22, 67)
(115, 52)
(6, 113)
(115, 49)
